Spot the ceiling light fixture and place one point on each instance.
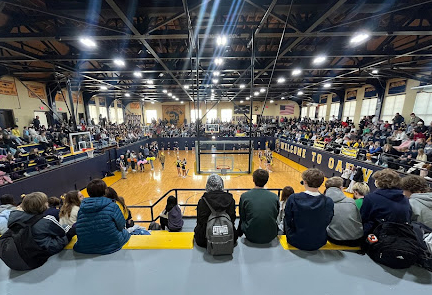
(242, 86)
(247, 98)
(271, 101)
(150, 82)
(137, 74)
(218, 61)
(300, 93)
(88, 42)
(103, 88)
(186, 87)
(170, 94)
(262, 90)
(256, 93)
(216, 73)
(215, 81)
(281, 80)
(283, 97)
(161, 74)
(165, 91)
(221, 40)
(152, 102)
(327, 85)
(319, 59)
(177, 98)
(182, 102)
(127, 94)
(241, 101)
(375, 71)
(359, 38)
(296, 72)
(119, 62)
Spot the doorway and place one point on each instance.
(6, 119)
(42, 118)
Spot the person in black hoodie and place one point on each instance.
(219, 200)
(386, 203)
(307, 214)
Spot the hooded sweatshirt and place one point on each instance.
(219, 200)
(175, 221)
(100, 227)
(346, 224)
(384, 204)
(5, 211)
(421, 205)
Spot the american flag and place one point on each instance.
(287, 109)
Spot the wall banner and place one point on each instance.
(134, 105)
(8, 87)
(174, 114)
(37, 90)
(397, 87)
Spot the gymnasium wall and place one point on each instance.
(24, 106)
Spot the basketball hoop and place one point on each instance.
(89, 152)
(220, 167)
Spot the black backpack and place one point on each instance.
(394, 245)
(18, 242)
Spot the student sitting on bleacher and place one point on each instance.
(219, 200)
(71, 205)
(7, 205)
(48, 237)
(346, 226)
(100, 224)
(259, 209)
(420, 198)
(307, 214)
(53, 207)
(387, 202)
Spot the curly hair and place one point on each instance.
(387, 178)
(414, 184)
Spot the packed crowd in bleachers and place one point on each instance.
(400, 145)
(391, 222)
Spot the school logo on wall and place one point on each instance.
(174, 114)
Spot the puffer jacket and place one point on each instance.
(219, 200)
(421, 205)
(5, 211)
(100, 227)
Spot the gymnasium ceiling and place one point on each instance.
(40, 41)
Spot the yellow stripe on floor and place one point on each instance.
(110, 180)
(156, 241)
(328, 246)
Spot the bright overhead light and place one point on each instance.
(282, 97)
(212, 90)
(216, 73)
(262, 90)
(150, 82)
(152, 102)
(256, 93)
(137, 74)
(281, 80)
(221, 40)
(161, 74)
(241, 101)
(247, 98)
(177, 98)
(127, 94)
(359, 38)
(165, 91)
(271, 101)
(142, 99)
(296, 72)
(174, 96)
(215, 81)
(327, 85)
(375, 71)
(88, 42)
(182, 102)
(242, 86)
(103, 88)
(119, 62)
(300, 93)
(186, 87)
(170, 94)
(218, 61)
(319, 60)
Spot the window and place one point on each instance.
(423, 107)
(322, 111)
(334, 110)
(93, 114)
(103, 112)
(368, 107)
(112, 115)
(195, 115)
(211, 115)
(226, 115)
(120, 119)
(304, 112)
(349, 110)
(392, 105)
(150, 115)
(312, 111)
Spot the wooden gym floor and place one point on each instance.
(145, 188)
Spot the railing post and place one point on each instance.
(151, 212)
(176, 196)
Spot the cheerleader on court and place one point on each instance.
(133, 162)
(141, 162)
(260, 157)
(269, 160)
(183, 166)
(178, 163)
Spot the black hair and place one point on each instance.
(171, 203)
(7, 199)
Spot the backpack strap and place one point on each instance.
(210, 207)
(32, 221)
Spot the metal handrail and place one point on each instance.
(176, 190)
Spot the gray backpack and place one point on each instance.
(219, 233)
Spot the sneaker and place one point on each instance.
(26, 174)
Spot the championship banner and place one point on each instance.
(102, 101)
(370, 92)
(77, 97)
(134, 105)
(8, 87)
(59, 96)
(323, 98)
(174, 114)
(36, 90)
(351, 95)
(397, 87)
(241, 109)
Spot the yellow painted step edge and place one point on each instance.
(328, 246)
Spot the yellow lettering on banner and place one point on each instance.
(339, 166)
(319, 158)
(304, 154)
(366, 174)
(299, 152)
(331, 163)
(291, 148)
(313, 156)
(295, 150)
